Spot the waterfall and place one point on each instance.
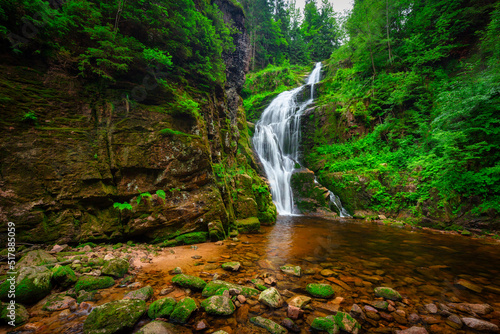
(276, 141)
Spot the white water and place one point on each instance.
(276, 141)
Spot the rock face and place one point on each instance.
(309, 196)
(61, 178)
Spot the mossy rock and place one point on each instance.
(144, 293)
(216, 230)
(36, 258)
(388, 293)
(327, 324)
(269, 325)
(268, 216)
(90, 283)
(157, 327)
(64, 276)
(249, 225)
(292, 270)
(183, 310)
(58, 302)
(188, 281)
(320, 290)
(231, 266)
(96, 262)
(161, 308)
(218, 287)
(32, 284)
(218, 305)
(347, 323)
(192, 238)
(13, 314)
(113, 317)
(116, 268)
(271, 297)
(86, 296)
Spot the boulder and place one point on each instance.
(90, 283)
(157, 327)
(32, 284)
(115, 316)
(218, 305)
(142, 294)
(162, 308)
(116, 268)
(388, 293)
(249, 225)
(188, 281)
(217, 287)
(480, 325)
(63, 276)
(320, 290)
(35, 258)
(271, 297)
(183, 310)
(13, 314)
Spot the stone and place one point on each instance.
(290, 325)
(58, 248)
(13, 313)
(157, 327)
(327, 324)
(269, 325)
(35, 258)
(242, 299)
(429, 290)
(217, 287)
(473, 309)
(356, 311)
(431, 308)
(299, 301)
(218, 305)
(161, 308)
(291, 270)
(177, 271)
(347, 323)
(216, 231)
(188, 281)
(388, 293)
(293, 312)
(63, 276)
(271, 297)
(231, 266)
(454, 321)
(413, 330)
(480, 325)
(327, 273)
(116, 268)
(469, 285)
(32, 284)
(400, 317)
(58, 302)
(90, 283)
(380, 304)
(249, 225)
(320, 290)
(114, 317)
(201, 325)
(192, 238)
(144, 293)
(183, 310)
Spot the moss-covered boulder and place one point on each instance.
(320, 290)
(216, 230)
(90, 283)
(218, 305)
(36, 258)
(157, 327)
(308, 195)
(162, 308)
(249, 225)
(347, 323)
(63, 276)
(31, 284)
(271, 297)
(58, 302)
(387, 293)
(269, 325)
(183, 310)
(292, 270)
(231, 266)
(113, 317)
(327, 324)
(13, 314)
(188, 281)
(192, 238)
(144, 293)
(116, 268)
(86, 296)
(218, 287)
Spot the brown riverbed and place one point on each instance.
(426, 267)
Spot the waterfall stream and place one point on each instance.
(276, 141)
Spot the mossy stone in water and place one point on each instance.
(157, 327)
(271, 297)
(231, 266)
(327, 324)
(161, 308)
(90, 283)
(183, 310)
(64, 276)
(387, 293)
(188, 281)
(218, 305)
(32, 285)
(20, 313)
(268, 324)
(116, 268)
(218, 287)
(113, 317)
(192, 238)
(320, 290)
(347, 323)
(143, 293)
(249, 225)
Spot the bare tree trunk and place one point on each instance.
(118, 14)
(387, 26)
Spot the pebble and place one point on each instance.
(431, 308)
(480, 325)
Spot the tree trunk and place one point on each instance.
(387, 26)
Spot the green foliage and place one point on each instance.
(122, 206)
(30, 117)
(141, 196)
(161, 194)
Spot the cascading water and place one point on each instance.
(276, 141)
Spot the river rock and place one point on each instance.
(327, 324)
(387, 293)
(59, 302)
(293, 312)
(480, 325)
(90, 283)
(347, 323)
(469, 285)
(320, 290)
(143, 293)
(429, 290)
(218, 305)
(114, 317)
(328, 273)
(13, 314)
(454, 321)
(161, 308)
(380, 304)
(157, 327)
(116, 268)
(35, 258)
(231, 266)
(291, 270)
(271, 297)
(356, 311)
(413, 330)
(32, 284)
(299, 301)
(183, 310)
(290, 325)
(216, 287)
(188, 281)
(63, 276)
(268, 324)
(431, 308)
(481, 309)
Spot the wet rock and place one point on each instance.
(161, 308)
(269, 325)
(32, 284)
(413, 330)
(201, 325)
(368, 308)
(242, 314)
(13, 314)
(320, 290)
(431, 308)
(35, 258)
(63, 276)
(59, 302)
(469, 285)
(84, 296)
(327, 273)
(210, 266)
(177, 271)
(157, 327)
(429, 290)
(216, 287)
(90, 283)
(414, 318)
(58, 248)
(188, 281)
(327, 324)
(356, 311)
(271, 297)
(144, 293)
(231, 266)
(473, 309)
(114, 316)
(292, 270)
(387, 293)
(429, 320)
(220, 332)
(454, 321)
(386, 316)
(380, 304)
(116, 268)
(290, 325)
(480, 325)
(242, 299)
(249, 225)
(400, 317)
(218, 305)
(347, 323)
(299, 301)
(293, 312)
(183, 310)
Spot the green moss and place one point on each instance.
(183, 310)
(346, 322)
(217, 287)
(249, 225)
(144, 293)
(327, 324)
(269, 325)
(21, 314)
(63, 276)
(32, 284)
(116, 268)
(320, 290)
(192, 238)
(161, 308)
(387, 293)
(187, 281)
(114, 317)
(216, 230)
(218, 305)
(90, 283)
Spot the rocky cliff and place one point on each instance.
(97, 165)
